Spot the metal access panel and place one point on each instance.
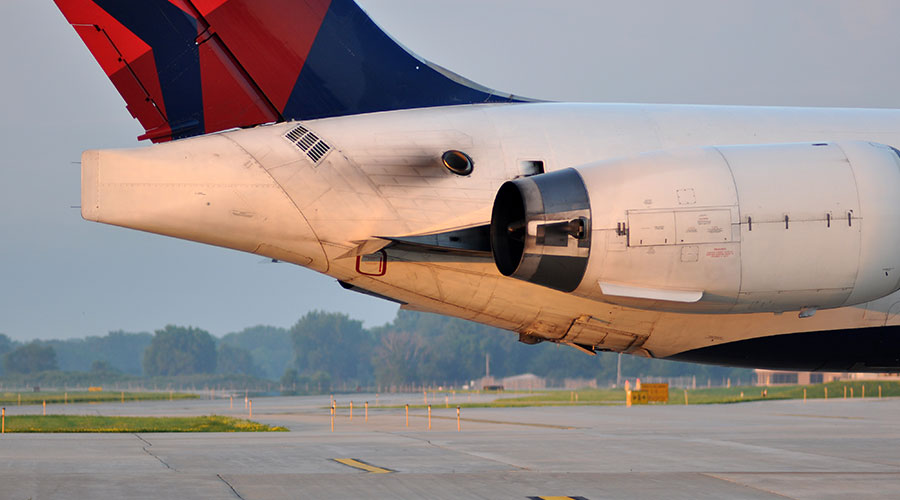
(593, 331)
(707, 226)
(651, 228)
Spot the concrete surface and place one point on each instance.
(775, 449)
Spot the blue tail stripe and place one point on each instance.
(354, 67)
(171, 33)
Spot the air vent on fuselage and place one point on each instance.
(308, 142)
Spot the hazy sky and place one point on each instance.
(63, 277)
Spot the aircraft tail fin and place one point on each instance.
(191, 67)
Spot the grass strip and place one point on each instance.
(835, 390)
(26, 398)
(93, 423)
(716, 395)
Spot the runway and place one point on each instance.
(774, 449)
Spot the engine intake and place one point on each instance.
(540, 229)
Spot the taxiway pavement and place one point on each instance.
(773, 449)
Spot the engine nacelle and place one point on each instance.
(541, 229)
(754, 228)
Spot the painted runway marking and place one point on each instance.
(557, 498)
(359, 464)
(840, 417)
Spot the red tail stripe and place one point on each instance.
(186, 6)
(126, 59)
(271, 39)
(228, 98)
(86, 12)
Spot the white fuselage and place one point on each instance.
(380, 175)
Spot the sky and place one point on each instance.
(63, 277)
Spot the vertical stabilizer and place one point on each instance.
(191, 67)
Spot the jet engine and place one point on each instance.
(747, 228)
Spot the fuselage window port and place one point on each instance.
(531, 167)
(457, 162)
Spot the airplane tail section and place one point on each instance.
(191, 67)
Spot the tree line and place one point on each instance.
(327, 351)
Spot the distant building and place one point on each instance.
(483, 382)
(784, 377)
(524, 382)
(870, 376)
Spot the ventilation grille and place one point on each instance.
(308, 142)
